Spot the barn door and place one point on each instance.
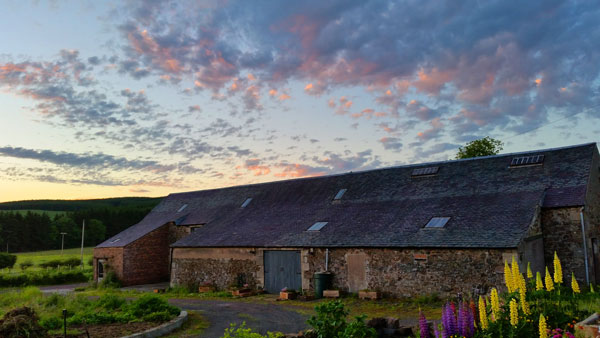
(282, 270)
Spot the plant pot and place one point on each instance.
(206, 288)
(589, 327)
(372, 295)
(287, 295)
(241, 293)
(331, 293)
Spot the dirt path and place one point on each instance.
(260, 317)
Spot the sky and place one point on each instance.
(145, 98)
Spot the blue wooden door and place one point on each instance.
(282, 270)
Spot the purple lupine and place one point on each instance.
(462, 322)
(436, 333)
(423, 327)
(448, 321)
(470, 324)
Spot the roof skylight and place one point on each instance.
(317, 226)
(437, 222)
(425, 171)
(182, 207)
(115, 240)
(246, 202)
(339, 195)
(527, 160)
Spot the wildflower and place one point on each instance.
(538, 282)
(483, 320)
(516, 274)
(529, 273)
(548, 280)
(448, 322)
(495, 304)
(423, 327)
(436, 332)
(574, 284)
(465, 321)
(543, 328)
(514, 313)
(473, 309)
(558, 277)
(523, 298)
(508, 280)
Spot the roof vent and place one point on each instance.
(182, 207)
(246, 202)
(115, 240)
(425, 171)
(339, 195)
(527, 160)
(437, 222)
(317, 226)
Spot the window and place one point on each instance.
(425, 171)
(339, 195)
(527, 160)
(317, 226)
(246, 202)
(437, 222)
(182, 208)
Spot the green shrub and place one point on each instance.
(148, 304)
(7, 260)
(55, 263)
(111, 302)
(51, 323)
(45, 277)
(243, 332)
(330, 322)
(26, 264)
(110, 281)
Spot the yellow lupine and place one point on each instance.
(515, 273)
(495, 304)
(538, 281)
(508, 280)
(548, 280)
(543, 327)
(529, 273)
(483, 319)
(574, 284)
(514, 313)
(523, 296)
(558, 277)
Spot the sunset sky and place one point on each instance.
(144, 98)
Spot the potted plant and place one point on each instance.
(331, 293)
(368, 294)
(244, 291)
(287, 294)
(206, 287)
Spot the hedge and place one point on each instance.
(7, 260)
(44, 278)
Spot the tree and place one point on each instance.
(95, 232)
(483, 147)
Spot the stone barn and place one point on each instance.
(440, 227)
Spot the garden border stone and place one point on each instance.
(163, 329)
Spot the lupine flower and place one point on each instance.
(423, 327)
(448, 322)
(483, 320)
(473, 309)
(543, 328)
(508, 277)
(436, 333)
(574, 284)
(470, 324)
(538, 281)
(548, 280)
(465, 321)
(558, 277)
(514, 313)
(495, 304)
(516, 274)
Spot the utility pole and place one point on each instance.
(82, 236)
(62, 245)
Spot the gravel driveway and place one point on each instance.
(260, 317)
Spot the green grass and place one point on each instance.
(193, 326)
(44, 256)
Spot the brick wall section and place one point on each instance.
(396, 272)
(113, 257)
(592, 216)
(562, 233)
(147, 259)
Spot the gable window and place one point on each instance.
(317, 226)
(437, 222)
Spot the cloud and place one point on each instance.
(391, 143)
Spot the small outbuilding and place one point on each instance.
(440, 227)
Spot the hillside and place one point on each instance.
(76, 205)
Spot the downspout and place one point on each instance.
(585, 254)
(171, 267)
(327, 259)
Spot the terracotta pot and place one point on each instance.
(590, 326)
(241, 293)
(372, 295)
(206, 288)
(331, 293)
(287, 295)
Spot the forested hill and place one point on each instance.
(36, 225)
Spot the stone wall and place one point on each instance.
(113, 257)
(396, 272)
(147, 259)
(592, 219)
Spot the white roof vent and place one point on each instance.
(246, 202)
(182, 207)
(437, 222)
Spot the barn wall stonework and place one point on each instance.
(592, 218)
(147, 259)
(113, 258)
(396, 272)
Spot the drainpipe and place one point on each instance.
(327, 259)
(585, 255)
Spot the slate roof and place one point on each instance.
(491, 205)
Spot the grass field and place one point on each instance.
(51, 213)
(44, 256)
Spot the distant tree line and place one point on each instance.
(35, 231)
